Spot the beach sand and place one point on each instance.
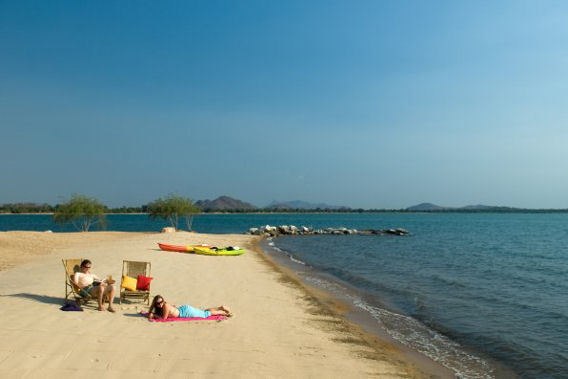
(280, 329)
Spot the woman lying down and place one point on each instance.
(163, 310)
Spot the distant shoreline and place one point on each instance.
(236, 212)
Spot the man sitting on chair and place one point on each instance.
(90, 284)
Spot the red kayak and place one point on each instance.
(180, 249)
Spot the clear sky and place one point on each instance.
(371, 104)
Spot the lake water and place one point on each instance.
(464, 289)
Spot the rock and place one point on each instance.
(269, 228)
(397, 232)
(168, 229)
(284, 229)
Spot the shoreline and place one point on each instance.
(357, 322)
(389, 211)
(281, 328)
(341, 308)
(359, 307)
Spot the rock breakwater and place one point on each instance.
(275, 231)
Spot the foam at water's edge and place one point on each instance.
(415, 335)
(273, 247)
(297, 260)
(406, 330)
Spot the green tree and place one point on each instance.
(172, 208)
(82, 211)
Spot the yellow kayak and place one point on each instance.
(219, 251)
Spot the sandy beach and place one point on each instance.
(280, 328)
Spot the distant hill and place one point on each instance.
(489, 208)
(299, 204)
(429, 207)
(426, 207)
(478, 207)
(223, 203)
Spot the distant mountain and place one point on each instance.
(489, 208)
(299, 204)
(223, 203)
(429, 207)
(426, 207)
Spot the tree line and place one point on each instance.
(84, 212)
(19, 208)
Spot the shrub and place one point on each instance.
(81, 211)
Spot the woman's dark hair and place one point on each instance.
(154, 309)
(85, 262)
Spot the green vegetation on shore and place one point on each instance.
(84, 212)
(172, 208)
(23, 208)
(81, 211)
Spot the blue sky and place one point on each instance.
(369, 104)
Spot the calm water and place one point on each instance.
(461, 288)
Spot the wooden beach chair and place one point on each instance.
(132, 269)
(71, 290)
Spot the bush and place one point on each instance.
(172, 209)
(82, 211)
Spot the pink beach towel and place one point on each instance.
(218, 317)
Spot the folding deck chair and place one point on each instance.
(71, 290)
(133, 269)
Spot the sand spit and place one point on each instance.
(280, 329)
